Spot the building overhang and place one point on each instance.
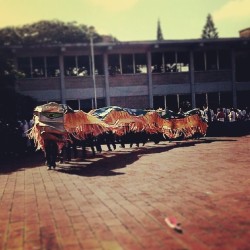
(136, 46)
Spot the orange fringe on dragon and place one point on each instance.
(58, 122)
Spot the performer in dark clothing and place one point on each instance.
(51, 151)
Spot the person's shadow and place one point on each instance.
(106, 164)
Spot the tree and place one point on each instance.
(159, 32)
(48, 32)
(209, 30)
(13, 105)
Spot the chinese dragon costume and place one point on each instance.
(59, 122)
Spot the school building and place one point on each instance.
(138, 74)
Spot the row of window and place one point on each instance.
(174, 102)
(124, 63)
(180, 61)
(39, 66)
(214, 100)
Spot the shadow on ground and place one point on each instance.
(105, 164)
(12, 163)
(101, 164)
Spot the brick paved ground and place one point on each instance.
(119, 200)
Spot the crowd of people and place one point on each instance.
(226, 114)
(227, 121)
(221, 121)
(14, 138)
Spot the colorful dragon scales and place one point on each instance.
(59, 122)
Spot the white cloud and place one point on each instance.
(114, 5)
(234, 9)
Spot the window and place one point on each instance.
(200, 100)
(86, 104)
(199, 62)
(242, 66)
(159, 102)
(140, 63)
(213, 100)
(224, 59)
(99, 70)
(101, 102)
(182, 61)
(171, 102)
(114, 64)
(127, 64)
(173, 62)
(243, 99)
(38, 67)
(73, 104)
(70, 68)
(215, 60)
(211, 60)
(52, 66)
(24, 66)
(76, 65)
(226, 99)
(157, 62)
(170, 62)
(185, 102)
(83, 68)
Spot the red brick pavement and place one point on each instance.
(119, 200)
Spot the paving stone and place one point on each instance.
(119, 199)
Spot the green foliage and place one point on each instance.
(12, 104)
(8, 72)
(15, 106)
(48, 32)
(209, 30)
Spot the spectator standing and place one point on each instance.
(167, 114)
(180, 112)
(24, 125)
(232, 115)
(220, 115)
(207, 113)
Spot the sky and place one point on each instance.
(134, 20)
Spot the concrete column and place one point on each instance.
(62, 80)
(106, 73)
(31, 67)
(191, 74)
(45, 67)
(79, 104)
(150, 82)
(233, 79)
(93, 68)
(16, 67)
